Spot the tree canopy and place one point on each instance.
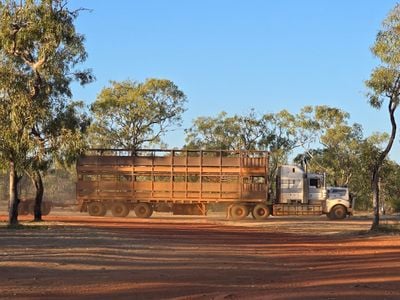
(132, 114)
(384, 87)
(40, 51)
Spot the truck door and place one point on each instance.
(316, 190)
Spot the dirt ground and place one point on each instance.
(82, 257)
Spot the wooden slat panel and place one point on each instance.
(162, 186)
(180, 186)
(159, 194)
(86, 185)
(162, 161)
(210, 187)
(231, 161)
(195, 195)
(211, 161)
(191, 167)
(124, 161)
(179, 161)
(142, 161)
(179, 194)
(142, 186)
(193, 187)
(193, 161)
(166, 169)
(107, 185)
(124, 185)
(230, 187)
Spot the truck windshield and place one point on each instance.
(339, 192)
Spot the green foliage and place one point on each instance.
(389, 186)
(273, 132)
(381, 84)
(384, 85)
(331, 144)
(39, 54)
(225, 132)
(132, 114)
(387, 45)
(39, 51)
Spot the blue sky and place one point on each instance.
(237, 55)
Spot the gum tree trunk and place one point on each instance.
(14, 200)
(375, 199)
(375, 174)
(37, 181)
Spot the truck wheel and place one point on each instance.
(97, 209)
(119, 209)
(239, 211)
(143, 210)
(261, 212)
(338, 212)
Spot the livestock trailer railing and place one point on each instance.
(118, 177)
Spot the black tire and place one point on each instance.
(338, 212)
(119, 209)
(239, 211)
(143, 210)
(261, 212)
(97, 209)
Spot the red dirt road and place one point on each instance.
(195, 258)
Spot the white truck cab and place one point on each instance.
(339, 203)
(301, 192)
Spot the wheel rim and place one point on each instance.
(239, 212)
(261, 212)
(95, 209)
(339, 213)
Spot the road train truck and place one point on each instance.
(192, 182)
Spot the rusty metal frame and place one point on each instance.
(152, 162)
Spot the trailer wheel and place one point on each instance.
(338, 212)
(119, 209)
(97, 209)
(239, 211)
(260, 212)
(143, 210)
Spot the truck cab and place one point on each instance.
(339, 203)
(301, 193)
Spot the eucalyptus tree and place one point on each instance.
(279, 137)
(333, 146)
(132, 114)
(272, 132)
(14, 144)
(237, 132)
(389, 187)
(62, 138)
(384, 89)
(39, 54)
(219, 132)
